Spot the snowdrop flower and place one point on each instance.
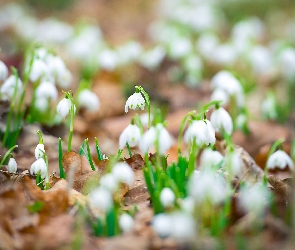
(224, 54)
(56, 65)
(178, 225)
(130, 134)
(101, 199)
(12, 165)
(227, 82)
(279, 159)
(234, 163)
(220, 95)
(39, 69)
(207, 186)
(162, 225)
(135, 101)
(183, 226)
(287, 61)
(152, 58)
(254, 198)
(39, 151)
(46, 90)
(188, 204)
(108, 59)
(206, 44)
(261, 59)
(210, 158)
(89, 100)
(64, 107)
(201, 131)
(126, 222)
(144, 118)
(109, 182)
(129, 51)
(64, 79)
(39, 166)
(3, 71)
(167, 197)
(123, 173)
(7, 89)
(221, 121)
(152, 136)
(269, 107)
(179, 48)
(41, 104)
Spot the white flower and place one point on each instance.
(234, 163)
(64, 78)
(56, 66)
(89, 100)
(41, 104)
(287, 61)
(179, 225)
(227, 82)
(109, 182)
(130, 134)
(39, 69)
(108, 59)
(220, 95)
(183, 226)
(123, 173)
(241, 121)
(210, 158)
(179, 47)
(279, 159)
(154, 134)
(221, 121)
(12, 165)
(7, 89)
(261, 59)
(207, 185)
(162, 225)
(135, 101)
(254, 198)
(152, 58)
(188, 204)
(46, 90)
(3, 71)
(269, 107)
(101, 199)
(39, 151)
(144, 119)
(201, 131)
(64, 107)
(126, 222)
(167, 197)
(39, 166)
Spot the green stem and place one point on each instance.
(62, 173)
(98, 151)
(129, 149)
(89, 156)
(47, 186)
(192, 158)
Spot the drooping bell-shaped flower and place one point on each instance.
(126, 222)
(130, 134)
(64, 107)
(279, 159)
(39, 166)
(221, 121)
(3, 71)
(135, 101)
(12, 165)
(201, 131)
(39, 151)
(154, 135)
(88, 100)
(123, 173)
(167, 197)
(101, 199)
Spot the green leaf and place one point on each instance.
(36, 206)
